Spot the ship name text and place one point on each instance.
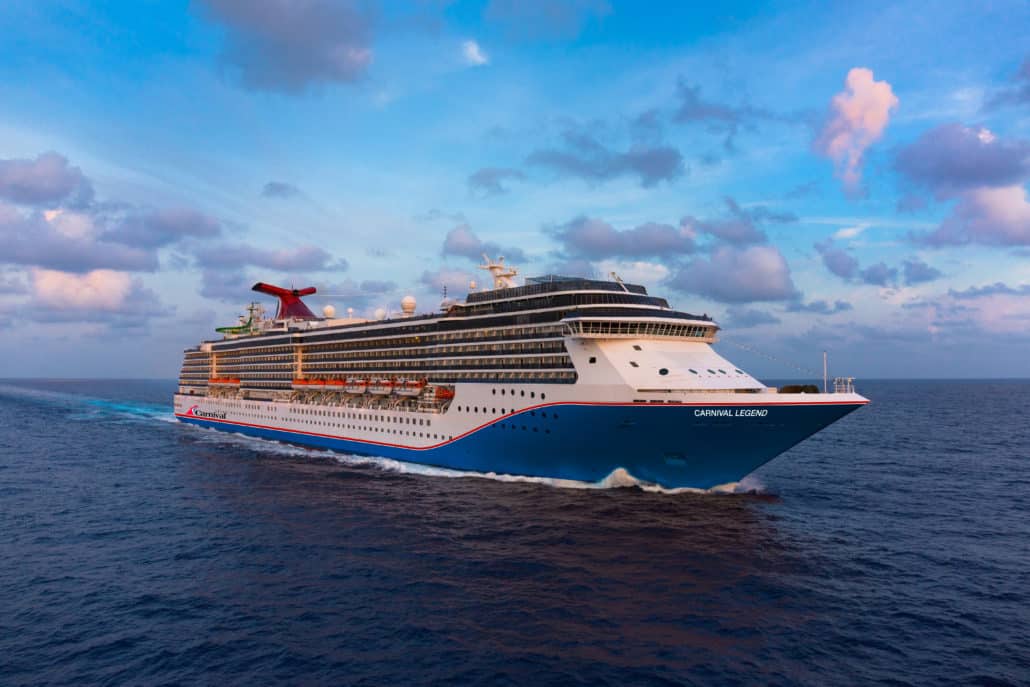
(731, 412)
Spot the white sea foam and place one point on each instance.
(618, 479)
(88, 407)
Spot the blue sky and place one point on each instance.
(841, 176)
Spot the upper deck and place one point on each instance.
(541, 301)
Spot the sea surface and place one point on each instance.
(892, 548)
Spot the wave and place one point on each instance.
(618, 479)
(88, 407)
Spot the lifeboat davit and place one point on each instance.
(381, 387)
(356, 385)
(409, 388)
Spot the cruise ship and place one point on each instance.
(560, 377)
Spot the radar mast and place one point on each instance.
(503, 274)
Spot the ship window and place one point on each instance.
(633, 364)
(664, 371)
(532, 394)
(693, 370)
(637, 348)
(711, 371)
(593, 359)
(542, 395)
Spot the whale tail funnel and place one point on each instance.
(290, 304)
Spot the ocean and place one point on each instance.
(892, 548)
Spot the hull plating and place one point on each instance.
(671, 444)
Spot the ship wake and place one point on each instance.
(87, 408)
(84, 408)
(618, 479)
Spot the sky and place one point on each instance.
(841, 177)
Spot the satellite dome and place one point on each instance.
(380, 314)
(408, 306)
(329, 311)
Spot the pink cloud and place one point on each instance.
(999, 216)
(97, 290)
(859, 114)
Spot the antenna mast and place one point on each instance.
(824, 372)
(502, 274)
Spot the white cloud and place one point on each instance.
(634, 272)
(473, 54)
(850, 232)
(96, 290)
(73, 225)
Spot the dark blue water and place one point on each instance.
(892, 548)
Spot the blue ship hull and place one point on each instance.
(673, 445)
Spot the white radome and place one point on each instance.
(408, 305)
(380, 314)
(329, 311)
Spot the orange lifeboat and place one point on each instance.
(356, 385)
(410, 388)
(381, 387)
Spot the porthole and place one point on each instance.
(633, 364)
(522, 393)
(542, 395)
(593, 359)
(693, 371)
(637, 347)
(664, 371)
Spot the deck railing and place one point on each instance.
(843, 385)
